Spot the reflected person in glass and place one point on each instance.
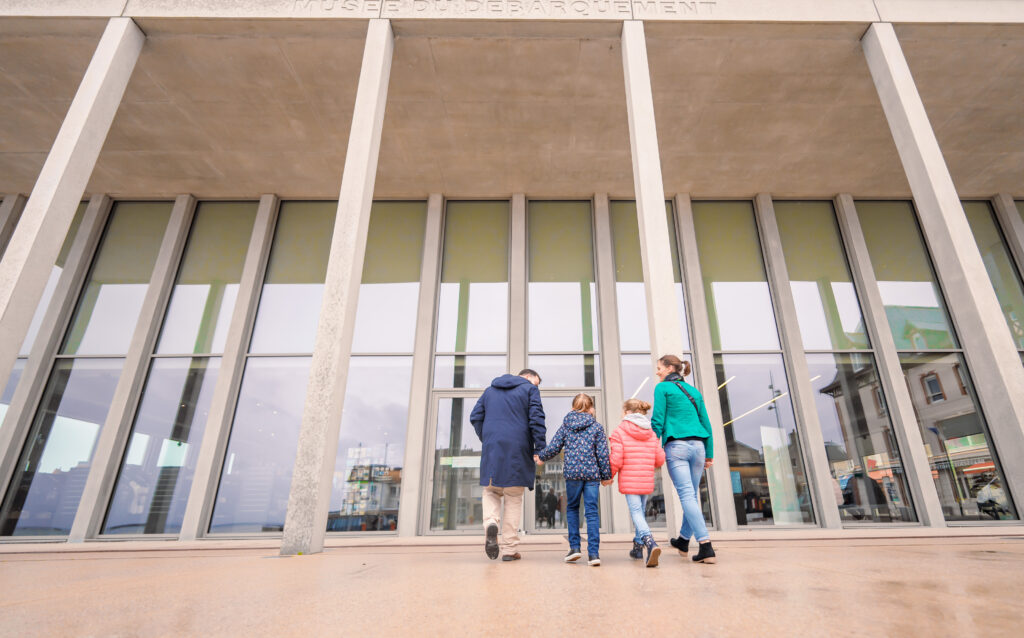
(509, 419)
(681, 422)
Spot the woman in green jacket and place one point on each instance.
(681, 422)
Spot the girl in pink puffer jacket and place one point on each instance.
(636, 453)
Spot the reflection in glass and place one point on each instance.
(768, 479)
(204, 293)
(45, 490)
(474, 371)
(967, 474)
(549, 491)
(472, 309)
(456, 501)
(257, 474)
(864, 458)
(156, 472)
(629, 280)
(562, 291)
(567, 370)
(999, 265)
(826, 302)
(111, 300)
(739, 304)
(371, 448)
(389, 292)
(635, 368)
(912, 299)
(290, 300)
(51, 282)
(12, 385)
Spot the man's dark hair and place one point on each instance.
(528, 372)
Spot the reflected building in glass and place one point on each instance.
(246, 254)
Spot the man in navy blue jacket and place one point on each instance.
(509, 419)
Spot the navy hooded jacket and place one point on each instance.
(509, 419)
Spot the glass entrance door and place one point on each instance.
(545, 511)
(455, 502)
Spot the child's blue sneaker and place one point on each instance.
(573, 555)
(594, 560)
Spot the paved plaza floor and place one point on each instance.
(850, 587)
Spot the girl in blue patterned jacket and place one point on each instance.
(586, 465)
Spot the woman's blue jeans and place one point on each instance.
(637, 506)
(588, 491)
(685, 460)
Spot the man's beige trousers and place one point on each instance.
(508, 516)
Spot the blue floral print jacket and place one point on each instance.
(586, 448)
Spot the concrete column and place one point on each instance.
(800, 390)
(26, 396)
(517, 328)
(720, 477)
(309, 499)
(655, 250)
(988, 347)
(1013, 226)
(413, 479)
(222, 404)
(611, 355)
(36, 241)
(901, 408)
(10, 213)
(114, 434)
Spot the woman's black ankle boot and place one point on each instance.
(705, 553)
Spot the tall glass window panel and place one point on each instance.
(47, 485)
(826, 302)
(562, 291)
(910, 292)
(203, 298)
(864, 459)
(294, 284)
(371, 448)
(104, 321)
(389, 292)
(967, 474)
(634, 332)
(769, 482)
(472, 309)
(51, 282)
(456, 502)
(460, 371)
(999, 265)
(156, 473)
(257, 473)
(735, 284)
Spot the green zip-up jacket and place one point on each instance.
(674, 416)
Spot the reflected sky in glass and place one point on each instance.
(293, 288)
(562, 291)
(472, 311)
(567, 371)
(206, 287)
(735, 284)
(109, 306)
(371, 448)
(156, 472)
(45, 491)
(468, 371)
(257, 472)
(999, 266)
(913, 303)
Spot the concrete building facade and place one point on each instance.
(260, 258)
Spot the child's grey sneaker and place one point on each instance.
(573, 555)
(594, 560)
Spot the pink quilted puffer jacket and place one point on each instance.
(635, 453)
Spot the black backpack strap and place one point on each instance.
(688, 396)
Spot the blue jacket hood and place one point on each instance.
(507, 381)
(579, 421)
